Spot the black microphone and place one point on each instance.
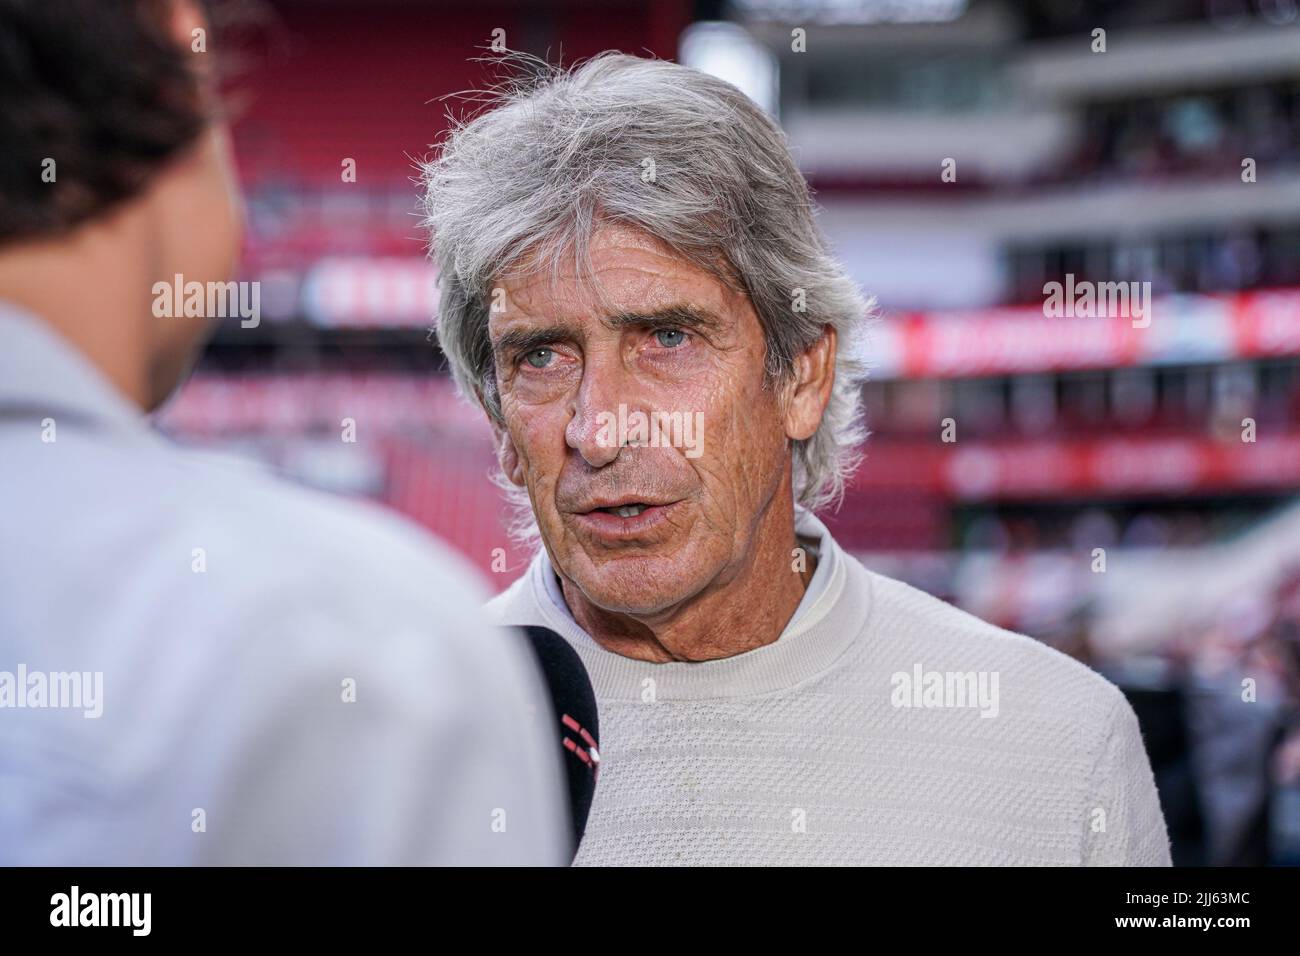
(574, 703)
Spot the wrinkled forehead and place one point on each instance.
(619, 269)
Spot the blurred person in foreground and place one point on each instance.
(628, 243)
(198, 663)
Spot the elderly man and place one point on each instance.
(629, 259)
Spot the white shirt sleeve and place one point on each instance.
(1124, 824)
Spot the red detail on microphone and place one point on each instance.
(592, 758)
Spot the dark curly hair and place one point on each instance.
(101, 88)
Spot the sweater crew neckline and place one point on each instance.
(817, 636)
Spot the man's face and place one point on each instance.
(658, 336)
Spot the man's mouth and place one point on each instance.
(624, 520)
(625, 511)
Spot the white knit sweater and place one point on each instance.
(883, 727)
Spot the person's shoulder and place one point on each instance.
(938, 631)
(308, 541)
(303, 582)
(257, 495)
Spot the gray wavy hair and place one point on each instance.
(559, 152)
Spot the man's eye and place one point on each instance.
(539, 358)
(670, 338)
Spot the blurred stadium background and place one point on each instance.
(1072, 434)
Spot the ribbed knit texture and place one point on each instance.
(798, 752)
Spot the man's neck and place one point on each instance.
(747, 611)
(86, 286)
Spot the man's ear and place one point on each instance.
(184, 18)
(811, 390)
(187, 22)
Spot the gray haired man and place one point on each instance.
(625, 248)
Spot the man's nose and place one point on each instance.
(594, 428)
